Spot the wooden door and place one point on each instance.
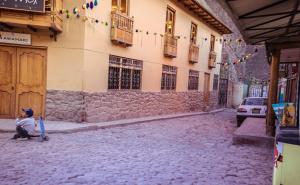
(193, 33)
(7, 81)
(206, 88)
(31, 80)
(212, 42)
(170, 21)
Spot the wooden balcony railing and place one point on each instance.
(50, 19)
(212, 59)
(121, 29)
(193, 53)
(170, 47)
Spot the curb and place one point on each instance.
(123, 123)
(252, 140)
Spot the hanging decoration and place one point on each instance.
(95, 2)
(242, 59)
(75, 11)
(91, 4)
(155, 34)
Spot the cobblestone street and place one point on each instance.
(189, 150)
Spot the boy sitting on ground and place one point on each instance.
(25, 127)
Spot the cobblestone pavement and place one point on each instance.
(190, 150)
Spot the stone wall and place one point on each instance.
(255, 67)
(65, 106)
(214, 98)
(257, 64)
(115, 105)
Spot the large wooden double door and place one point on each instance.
(22, 80)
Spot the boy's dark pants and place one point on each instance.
(21, 132)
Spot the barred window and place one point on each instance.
(168, 80)
(114, 78)
(124, 73)
(193, 80)
(216, 82)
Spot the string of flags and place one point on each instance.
(75, 12)
(90, 5)
(242, 59)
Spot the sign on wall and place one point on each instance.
(26, 5)
(15, 38)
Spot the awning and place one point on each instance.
(265, 21)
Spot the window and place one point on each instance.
(168, 80)
(193, 33)
(124, 73)
(170, 21)
(216, 82)
(193, 80)
(255, 101)
(121, 6)
(288, 74)
(212, 43)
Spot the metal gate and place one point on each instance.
(223, 88)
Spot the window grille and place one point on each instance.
(193, 83)
(124, 73)
(168, 80)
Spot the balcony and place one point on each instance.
(170, 47)
(193, 53)
(121, 29)
(48, 20)
(212, 59)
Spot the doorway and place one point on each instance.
(206, 88)
(22, 80)
(223, 88)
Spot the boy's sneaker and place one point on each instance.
(16, 136)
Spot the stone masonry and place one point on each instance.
(256, 65)
(115, 105)
(65, 106)
(234, 48)
(194, 150)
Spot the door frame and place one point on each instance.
(45, 48)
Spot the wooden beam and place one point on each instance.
(32, 28)
(293, 16)
(195, 7)
(262, 8)
(271, 14)
(277, 36)
(276, 27)
(263, 33)
(272, 98)
(269, 21)
(4, 25)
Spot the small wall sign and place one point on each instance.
(15, 38)
(25, 5)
